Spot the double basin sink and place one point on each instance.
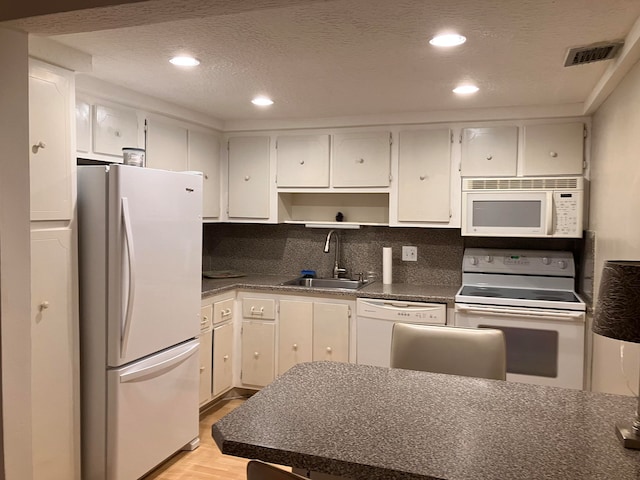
(326, 283)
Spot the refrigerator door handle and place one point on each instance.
(126, 221)
(165, 365)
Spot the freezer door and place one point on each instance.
(152, 410)
(155, 255)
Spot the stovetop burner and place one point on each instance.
(519, 293)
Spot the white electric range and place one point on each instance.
(530, 296)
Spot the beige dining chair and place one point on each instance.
(473, 352)
(257, 470)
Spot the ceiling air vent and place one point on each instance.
(592, 53)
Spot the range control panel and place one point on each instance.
(518, 262)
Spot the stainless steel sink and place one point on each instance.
(326, 283)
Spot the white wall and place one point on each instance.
(15, 256)
(615, 214)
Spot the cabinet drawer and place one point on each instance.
(263, 308)
(223, 311)
(205, 317)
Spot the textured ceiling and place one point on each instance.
(356, 57)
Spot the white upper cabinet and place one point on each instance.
(361, 159)
(489, 152)
(50, 154)
(424, 175)
(553, 149)
(249, 180)
(204, 156)
(114, 129)
(83, 126)
(302, 161)
(166, 146)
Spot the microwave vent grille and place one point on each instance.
(569, 183)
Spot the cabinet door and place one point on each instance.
(361, 159)
(556, 149)
(205, 367)
(204, 156)
(50, 152)
(166, 146)
(330, 332)
(303, 161)
(222, 358)
(491, 151)
(249, 177)
(54, 357)
(295, 333)
(424, 177)
(113, 129)
(83, 128)
(257, 353)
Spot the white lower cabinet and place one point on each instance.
(205, 367)
(312, 331)
(54, 357)
(222, 358)
(258, 353)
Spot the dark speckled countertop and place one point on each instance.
(373, 423)
(396, 291)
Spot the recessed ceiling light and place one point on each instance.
(465, 89)
(184, 61)
(262, 101)
(447, 40)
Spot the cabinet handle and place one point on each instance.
(256, 354)
(422, 177)
(206, 177)
(295, 346)
(117, 133)
(202, 369)
(246, 178)
(329, 350)
(37, 146)
(489, 157)
(226, 312)
(206, 319)
(301, 162)
(361, 160)
(256, 312)
(553, 154)
(225, 358)
(44, 305)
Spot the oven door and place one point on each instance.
(523, 214)
(544, 347)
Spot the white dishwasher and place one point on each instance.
(375, 319)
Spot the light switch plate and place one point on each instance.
(409, 254)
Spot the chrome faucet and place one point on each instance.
(337, 270)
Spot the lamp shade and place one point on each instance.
(617, 312)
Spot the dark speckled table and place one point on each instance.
(371, 423)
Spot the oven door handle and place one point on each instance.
(510, 312)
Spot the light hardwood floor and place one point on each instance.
(205, 462)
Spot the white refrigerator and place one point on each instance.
(140, 254)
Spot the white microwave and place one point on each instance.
(523, 207)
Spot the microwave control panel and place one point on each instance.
(566, 213)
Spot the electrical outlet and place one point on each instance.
(409, 254)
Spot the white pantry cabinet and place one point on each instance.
(302, 161)
(50, 151)
(553, 149)
(204, 156)
(166, 145)
(424, 175)
(489, 152)
(361, 159)
(54, 357)
(249, 177)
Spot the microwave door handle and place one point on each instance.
(549, 217)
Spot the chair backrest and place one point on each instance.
(474, 352)
(257, 470)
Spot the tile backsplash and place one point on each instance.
(286, 249)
